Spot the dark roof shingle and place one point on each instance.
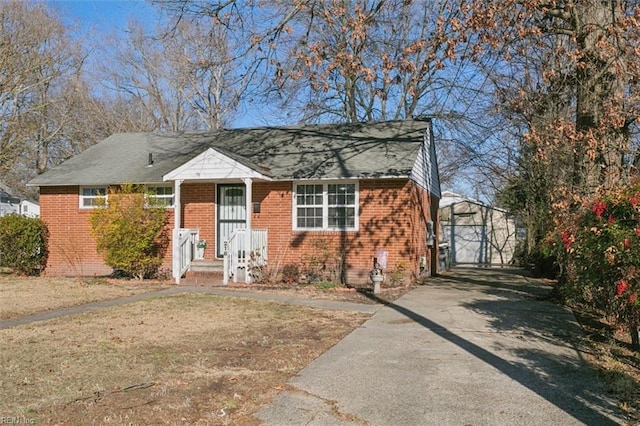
(363, 150)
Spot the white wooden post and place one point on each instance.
(177, 224)
(225, 263)
(247, 235)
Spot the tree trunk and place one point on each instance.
(600, 89)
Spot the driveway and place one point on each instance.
(472, 347)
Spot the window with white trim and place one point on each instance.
(326, 206)
(160, 196)
(93, 196)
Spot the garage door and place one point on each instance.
(469, 244)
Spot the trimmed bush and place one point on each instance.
(129, 233)
(23, 244)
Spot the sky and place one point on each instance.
(102, 15)
(95, 18)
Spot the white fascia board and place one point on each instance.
(213, 165)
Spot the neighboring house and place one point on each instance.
(12, 203)
(29, 208)
(476, 233)
(352, 189)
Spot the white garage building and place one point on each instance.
(475, 233)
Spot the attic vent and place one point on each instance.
(150, 160)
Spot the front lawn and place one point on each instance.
(28, 295)
(189, 359)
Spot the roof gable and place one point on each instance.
(213, 165)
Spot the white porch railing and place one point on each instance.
(186, 247)
(237, 257)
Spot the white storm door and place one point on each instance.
(232, 212)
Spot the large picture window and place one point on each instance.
(326, 206)
(92, 197)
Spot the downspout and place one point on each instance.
(247, 235)
(177, 222)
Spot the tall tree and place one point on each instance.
(374, 60)
(176, 79)
(365, 60)
(39, 64)
(567, 85)
(597, 41)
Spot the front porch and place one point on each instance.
(216, 211)
(237, 264)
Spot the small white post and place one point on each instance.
(177, 222)
(225, 264)
(247, 236)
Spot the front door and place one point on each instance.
(232, 213)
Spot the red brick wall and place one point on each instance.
(72, 249)
(71, 246)
(393, 213)
(198, 212)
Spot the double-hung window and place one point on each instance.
(160, 196)
(93, 196)
(326, 206)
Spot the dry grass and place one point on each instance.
(617, 364)
(193, 359)
(28, 295)
(358, 294)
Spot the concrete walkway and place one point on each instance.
(172, 291)
(474, 347)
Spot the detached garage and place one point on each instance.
(475, 233)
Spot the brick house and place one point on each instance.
(261, 197)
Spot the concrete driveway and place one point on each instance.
(472, 347)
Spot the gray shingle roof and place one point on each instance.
(363, 150)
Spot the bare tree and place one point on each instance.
(337, 60)
(176, 79)
(597, 41)
(375, 60)
(39, 64)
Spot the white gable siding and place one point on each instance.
(27, 208)
(211, 164)
(425, 168)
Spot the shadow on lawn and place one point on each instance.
(514, 304)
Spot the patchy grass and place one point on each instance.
(329, 291)
(193, 359)
(617, 364)
(28, 295)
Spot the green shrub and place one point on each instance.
(599, 251)
(23, 244)
(129, 233)
(326, 285)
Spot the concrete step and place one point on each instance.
(204, 272)
(208, 272)
(207, 265)
(202, 278)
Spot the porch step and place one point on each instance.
(207, 265)
(202, 278)
(204, 272)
